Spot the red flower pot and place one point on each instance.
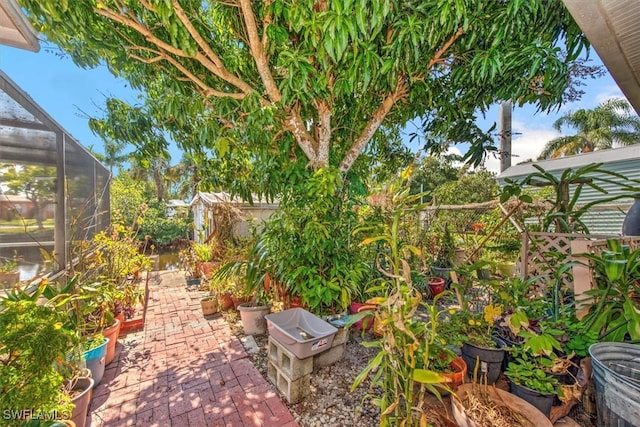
(365, 323)
(436, 284)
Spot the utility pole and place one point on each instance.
(504, 124)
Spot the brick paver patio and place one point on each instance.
(183, 370)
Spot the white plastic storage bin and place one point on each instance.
(302, 333)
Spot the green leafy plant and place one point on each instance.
(566, 213)
(34, 342)
(307, 245)
(446, 250)
(401, 368)
(476, 328)
(613, 312)
(524, 371)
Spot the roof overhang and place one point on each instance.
(613, 29)
(15, 29)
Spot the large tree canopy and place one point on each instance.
(314, 80)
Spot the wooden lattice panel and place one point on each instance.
(537, 249)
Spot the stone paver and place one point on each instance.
(184, 370)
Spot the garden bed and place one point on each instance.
(333, 403)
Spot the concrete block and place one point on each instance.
(293, 390)
(340, 337)
(287, 362)
(329, 357)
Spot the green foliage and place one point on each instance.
(307, 245)
(37, 183)
(524, 371)
(131, 204)
(613, 313)
(599, 128)
(468, 187)
(268, 88)
(33, 347)
(163, 230)
(128, 197)
(401, 367)
(566, 213)
(8, 265)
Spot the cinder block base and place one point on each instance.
(340, 337)
(287, 362)
(329, 357)
(293, 390)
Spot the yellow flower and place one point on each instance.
(472, 322)
(57, 325)
(452, 311)
(491, 312)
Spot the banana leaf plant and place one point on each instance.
(614, 313)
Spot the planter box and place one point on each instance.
(301, 332)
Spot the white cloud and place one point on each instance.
(609, 92)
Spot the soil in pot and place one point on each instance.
(490, 362)
(253, 320)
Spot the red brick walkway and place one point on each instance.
(184, 370)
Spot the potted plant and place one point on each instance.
(613, 312)
(442, 358)
(209, 304)
(529, 381)
(35, 339)
(442, 264)
(479, 349)
(401, 367)
(189, 265)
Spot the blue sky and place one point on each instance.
(68, 93)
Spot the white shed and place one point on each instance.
(211, 210)
(603, 219)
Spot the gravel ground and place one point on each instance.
(330, 401)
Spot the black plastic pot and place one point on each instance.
(543, 402)
(490, 362)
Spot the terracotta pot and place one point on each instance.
(366, 322)
(225, 301)
(112, 332)
(455, 379)
(207, 268)
(239, 300)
